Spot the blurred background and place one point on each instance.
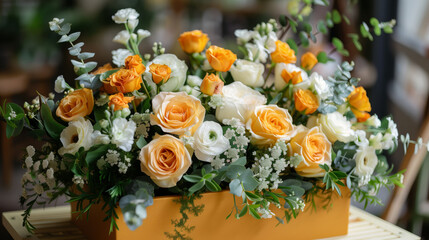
(394, 68)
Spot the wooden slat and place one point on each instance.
(54, 224)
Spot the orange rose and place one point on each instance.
(314, 148)
(283, 53)
(211, 85)
(306, 100)
(177, 113)
(77, 104)
(120, 101)
(165, 159)
(359, 104)
(220, 59)
(267, 124)
(160, 72)
(294, 76)
(193, 41)
(135, 63)
(106, 67)
(308, 60)
(125, 80)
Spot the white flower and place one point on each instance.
(194, 81)
(45, 164)
(360, 138)
(375, 141)
(366, 161)
(125, 14)
(243, 36)
(119, 56)
(270, 43)
(76, 135)
(279, 82)
(36, 166)
(60, 84)
(194, 91)
(216, 101)
(38, 189)
(209, 141)
(178, 72)
(142, 34)
(392, 128)
(123, 133)
(373, 121)
(132, 24)
(256, 50)
(30, 151)
(28, 162)
(100, 138)
(319, 85)
(239, 101)
(336, 127)
(50, 173)
(122, 37)
(248, 72)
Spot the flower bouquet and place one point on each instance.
(263, 127)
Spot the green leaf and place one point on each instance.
(376, 25)
(244, 211)
(388, 29)
(276, 99)
(336, 17)
(292, 45)
(254, 213)
(196, 187)
(364, 30)
(253, 197)
(235, 187)
(192, 178)
(141, 142)
(74, 36)
(249, 182)
(213, 186)
(96, 154)
(107, 74)
(233, 171)
(322, 57)
(241, 161)
(308, 28)
(322, 27)
(304, 38)
(283, 20)
(53, 128)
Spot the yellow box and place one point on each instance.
(213, 225)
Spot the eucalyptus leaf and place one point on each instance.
(236, 188)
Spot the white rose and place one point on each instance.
(366, 161)
(319, 85)
(60, 84)
(119, 56)
(122, 37)
(178, 72)
(76, 135)
(123, 133)
(123, 15)
(279, 82)
(209, 141)
(243, 35)
(239, 101)
(336, 127)
(100, 138)
(194, 81)
(247, 72)
(143, 34)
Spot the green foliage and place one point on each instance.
(52, 127)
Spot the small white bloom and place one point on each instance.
(194, 81)
(45, 164)
(123, 133)
(100, 163)
(28, 162)
(76, 135)
(119, 56)
(373, 121)
(41, 178)
(243, 36)
(38, 189)
(366, 161)
(30, 151)
(122, 37)
(209, 141)
(249, 73)
(132, 24)
(360, 138)
(123, 15)
(257, 52)
(36, 166)
(60, 84)
(319, 85)
(216, 101)
(142, 34)
(375, 141)
(218, 162)
(100, 138)
(392, 128)
(50, 173)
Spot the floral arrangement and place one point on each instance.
(264, 126)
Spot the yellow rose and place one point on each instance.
(160, 72)
(177, 112)
(315, 149)
(193, 41)
(120, 101)
(283, 53)
(125, 80)
(135, 63)
(77, 104)
(211, 85)
(220, 59)
(306, 100)
(308, 60)
(165, 159)
(359, 104)
(106, 67)
(294, 76)
(267, 124)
